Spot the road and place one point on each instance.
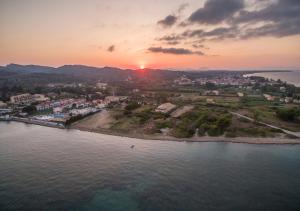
(296, 134)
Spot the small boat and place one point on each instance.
(132, 146)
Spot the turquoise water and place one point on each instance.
(292, 77)
(52, 169)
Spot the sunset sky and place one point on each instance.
(176, 34)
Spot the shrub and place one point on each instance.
(288, 114)
(29, 109)
(132, 106)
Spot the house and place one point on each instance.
(282, 88)
(165, 108)
(288, 100)
(296, 101)
(2, 104)
(183, 80)
(215, 92)
(240, 94)
(40, 98)
(58, 110)
(43, 106)
(102, 86)
(210, 100)
(22, 99)
(112, 99)
(269, 97)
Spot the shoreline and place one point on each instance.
(241, 140)
(34, 122)
(203, 139)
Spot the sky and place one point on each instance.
(173, 34)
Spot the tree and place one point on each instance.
(288, 114)
(29, 109)
(132, 106)
(256, 116)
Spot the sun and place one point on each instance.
(142, 67)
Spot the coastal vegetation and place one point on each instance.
(202, 103)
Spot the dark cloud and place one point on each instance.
(196, 45)
(216, 11)
(170, 38)
(263, 18)
(177, 51)
(217, 33)
(280, 18)
(172, 19)
(280, 11)
(111, 48)
(278, 30)
(168, 21)
(173, 43)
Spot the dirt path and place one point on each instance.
(180, 111)
(96, 121)
(296, 134)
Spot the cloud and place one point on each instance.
(219, 33)
(168, 21)
(176, 51)
(233, 20)
(172, 19)
(170, 38)
(182, 7)
(216, 11)
(197, 45)
(278, 30)
(279, 18)
(173, 43)
(111, 48)
(279, 11)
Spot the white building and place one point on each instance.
(240, 94)
(296, 101)
(22, 99)
(2, 104)
(288, 100)
(210, 100)
(183, 80)
(40, 98)
(165, 108)
(102, 86)
(57, 110)
(269, 97)
(282, 88)
(43, 106)
(216, 92)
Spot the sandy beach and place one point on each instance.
(246, 140)
(94, 122)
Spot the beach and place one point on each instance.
(99, 123)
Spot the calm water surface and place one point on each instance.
(51, 169)
(290, 77)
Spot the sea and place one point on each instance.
(45, 168)
(292, 77)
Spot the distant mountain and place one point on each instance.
(34, 74)
(87, 72)
(81, 72)
(29, 68)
